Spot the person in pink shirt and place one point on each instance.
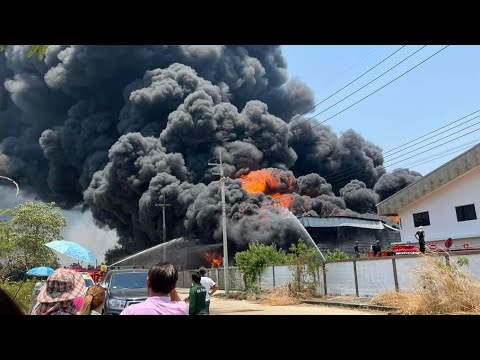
(163, 298)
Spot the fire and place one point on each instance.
(213, 258)
(279, 184)
(284, 199)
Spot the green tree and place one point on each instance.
(253, 261)
(305, 263)
(38, 50)
(115, 254)
(336, 255)
(23, 237)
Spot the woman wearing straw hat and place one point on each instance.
(58, 294)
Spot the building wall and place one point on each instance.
(440, 205)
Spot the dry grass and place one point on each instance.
(285, 295)
(443, 289)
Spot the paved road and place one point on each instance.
(244, 307)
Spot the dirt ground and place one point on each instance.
(221, 306)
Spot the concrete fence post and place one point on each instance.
(356, 278)
(395, 277)
(324, 268)
(273, 275)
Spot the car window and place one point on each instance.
(88, 282)
(133, 280)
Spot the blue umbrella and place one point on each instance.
(71, 249)
(40, 271)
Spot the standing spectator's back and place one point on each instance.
(7, 305)
(197, 296)
(210, 285)
(162, 298)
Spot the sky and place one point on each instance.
(439, 91)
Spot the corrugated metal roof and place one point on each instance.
(432, 181)
(309, 221)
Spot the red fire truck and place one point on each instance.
(399, 249)
(96, 274)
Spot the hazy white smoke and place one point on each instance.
(80, 226)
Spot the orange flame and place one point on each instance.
(277, 183)
(284, 199)
(213, 258)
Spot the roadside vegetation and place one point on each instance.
(443, 288)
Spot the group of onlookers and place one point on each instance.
(64, 293)
(163, 298)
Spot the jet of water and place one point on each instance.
(304, 231)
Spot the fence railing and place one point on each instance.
(357, 277)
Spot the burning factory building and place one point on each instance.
(120, 129)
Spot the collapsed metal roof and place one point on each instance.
(338, 221)
(432, 181)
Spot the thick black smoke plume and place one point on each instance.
(120, 128)
(389, 184)
(358, 197)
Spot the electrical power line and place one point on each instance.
(390, 82)
(433, 142)
(446, 153)
(350, 83)
(431, 132)
(337, 181)
(332, 176)
(364, 86)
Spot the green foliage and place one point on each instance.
(115, 254)
(305, 263)
(24, 235)
(364, 255)
(462, 261)
(336, 255)
(38, 50)
(24, 297)
(253, 261)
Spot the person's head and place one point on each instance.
(378, 241)
(420, 228)
(356, 242)
(94, 300)
(7, 305)
(59, 292)
(202, 271)
(196, 277)
(162, 279)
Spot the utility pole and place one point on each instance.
(224, 225)
(163, 206)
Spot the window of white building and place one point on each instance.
(421, 219)
(466, 212)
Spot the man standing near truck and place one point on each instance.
(197, 296)
(420, 236)
(209, 284)
(357, 250)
